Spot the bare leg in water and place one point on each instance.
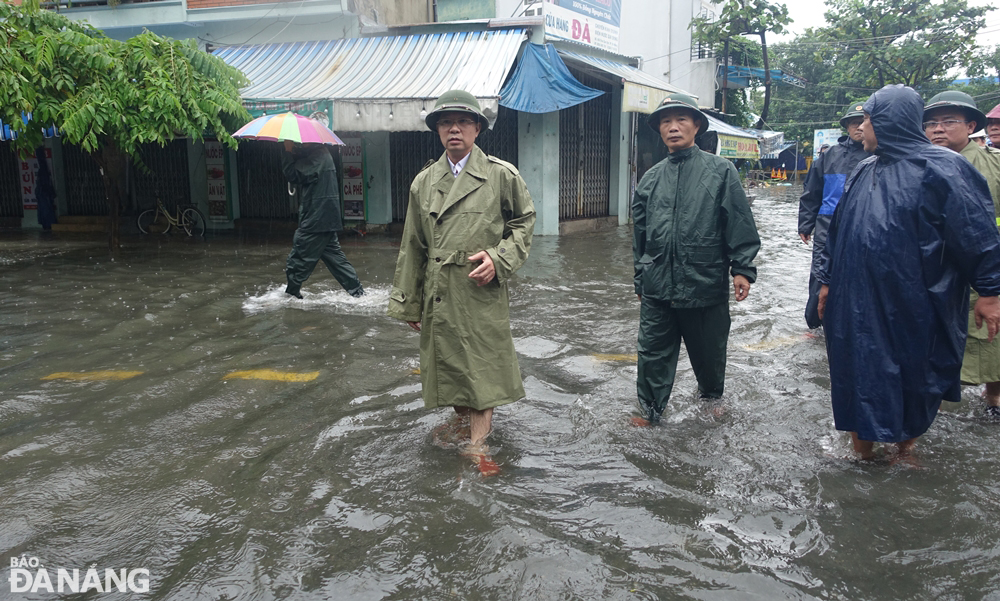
(481, 422)
(866, 448)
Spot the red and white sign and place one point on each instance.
(215, 165)
(29, 176)
(352, 160)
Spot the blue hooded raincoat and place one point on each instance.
(915, 227)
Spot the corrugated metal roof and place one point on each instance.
(625, 72)
(726, 129)
(379, 68)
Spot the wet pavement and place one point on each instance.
(170, 410)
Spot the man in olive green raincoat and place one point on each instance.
(950, 118)
(311, 168)
(693, 227)
(468, 229)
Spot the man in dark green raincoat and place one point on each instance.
(310, 167)
(468, 228)
(693, 228)
(950, 118)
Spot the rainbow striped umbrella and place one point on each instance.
(288, 126)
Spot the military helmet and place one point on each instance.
(855, 110)
(959, 100)
(677, 100)
(456, 100)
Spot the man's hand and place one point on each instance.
(988, 309)
(741, 286)
(805, 238)
(485, 272)
(824, 291)
(289, 145)
(414, 324)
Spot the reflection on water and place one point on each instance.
(330, 486)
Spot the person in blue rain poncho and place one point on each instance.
(914, 229)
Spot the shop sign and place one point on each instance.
(591, 22)
(28, 169)
(352, 159)
(733, 147)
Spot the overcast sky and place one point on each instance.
(809, 13)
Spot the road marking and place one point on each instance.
(93, 376)
(270, 374)
(770, 345)
(613, 357)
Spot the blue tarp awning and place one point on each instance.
(8, 134)
(542, 83)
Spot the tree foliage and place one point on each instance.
(108, 96)
(745, 17)
(867, 44)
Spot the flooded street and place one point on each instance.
(172, 410)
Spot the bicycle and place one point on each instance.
(159, 220)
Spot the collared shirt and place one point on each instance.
(456, 168)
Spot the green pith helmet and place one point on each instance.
(959, 100)
(456, 100)
(677, 100)
(855, 110)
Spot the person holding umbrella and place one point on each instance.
(307, 164)
(310, 167)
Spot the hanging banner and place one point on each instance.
(29, 176)
(591, 22)
(352, 158)
(732, 147)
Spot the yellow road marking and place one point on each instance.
(93, 376)
(270, 374)
(613, 357)
(769, 345)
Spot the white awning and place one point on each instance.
(642, 92)
(380, 83)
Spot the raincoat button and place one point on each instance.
(440, 221)
(437, 300)
(437, 259)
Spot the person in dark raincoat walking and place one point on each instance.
(311, 168)
(915, 227)
(824, 186)
(693, 228)
(950, 119)
(469, 225)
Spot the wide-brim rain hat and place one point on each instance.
(855, 110)
(673, 101)
(994, 113)
(456, 101)
(958, 100)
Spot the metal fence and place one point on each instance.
(84, 186)
(263, 187)
(11, 205)
(165, 177)
(585, 154)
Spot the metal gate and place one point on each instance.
(263, 187)
(11, 205)
(409, 151)
(167, 176)
(585, 154)
(84, 186)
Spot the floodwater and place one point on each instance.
(170, 410)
